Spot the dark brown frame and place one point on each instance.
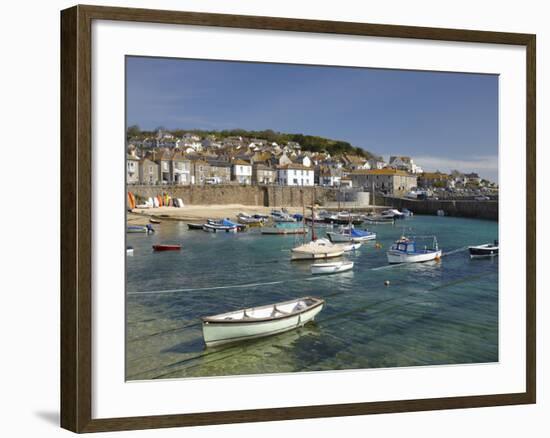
(76, 244)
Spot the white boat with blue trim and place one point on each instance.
(407, 250)
(257, 322)
(350, 234)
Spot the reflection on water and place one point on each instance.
(433, 313)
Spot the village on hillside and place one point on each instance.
(190, 159)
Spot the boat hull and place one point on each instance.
(283, 230)
(219, 333)
(344, 238)
(351, 246)
(305, 255)
(166, 247)
(399, 257)
(476, 252)
(331, 268)
(219, 228)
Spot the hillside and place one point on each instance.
(308, 142)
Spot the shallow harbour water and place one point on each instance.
(430, 314)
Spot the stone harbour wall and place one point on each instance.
(467, 208)
(219, 194)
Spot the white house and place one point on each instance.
(303, 160)
(132, 169)
(376, 164)
(241, 171)
(295, 175)
(404, 163)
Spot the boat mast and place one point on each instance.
(303, 214)
(313, 220)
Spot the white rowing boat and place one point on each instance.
(331, 268)
(259, 321)
(351, 246)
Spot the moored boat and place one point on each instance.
(406, 250)
(130, 250)
(261, 321)
(378, 220)
(195, 226)
(350, 234)
(351, 246)
(485, 250)
(393, 213)
(140, 229)
(166, 247)
(331, 268)
(282, 228)
(249, 220)
(224, 225)
(317, 249)
(154, 221)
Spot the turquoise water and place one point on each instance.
(432, 313)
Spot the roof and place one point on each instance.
(434, 175)
(354, 159)
(400, 157)
(385, 171)
(261, 166)
(294, 166)
(179, 156)
(241, 162)
(218, 163)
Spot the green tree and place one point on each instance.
(133, 131)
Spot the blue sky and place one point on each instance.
(442, 120)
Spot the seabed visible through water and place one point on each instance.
(432, 313)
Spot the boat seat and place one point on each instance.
(298, 307)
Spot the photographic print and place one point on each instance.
(287, 218)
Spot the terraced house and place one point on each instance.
(241, 171)
(389, 181)
(295, 175)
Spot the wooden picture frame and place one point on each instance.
(76, 217)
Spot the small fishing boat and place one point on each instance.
(331, 268)
(351, 246)
(140, 229)
(166, 247)
(317, 249)
(154, 221)
(350, 234)
(261, 321)
(251, 221)
(219, 226)
(343, 218)
(440, 212)
(485, 250)
(195, 226)
(378, 220)
(393, 214)
(405, 250)
(281, 217)
(282, 228)
(130, 250)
